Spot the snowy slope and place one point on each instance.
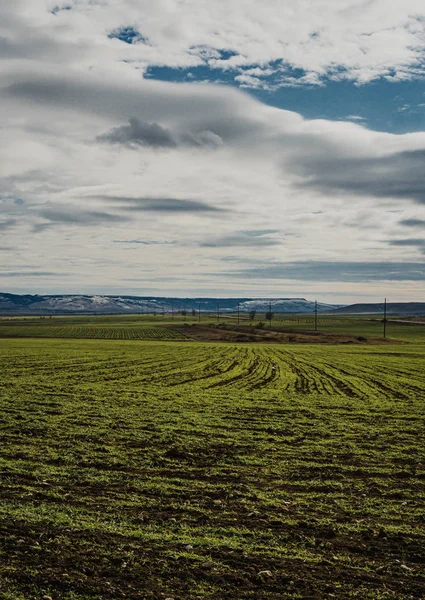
(97, 304)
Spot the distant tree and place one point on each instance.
(193, 312)
(269, 316)
(252, 314)
(184, 312)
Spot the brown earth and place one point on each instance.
(248, 333)
(81, 562)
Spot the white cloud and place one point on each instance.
(348, 39)
(321, 186)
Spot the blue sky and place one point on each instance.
(247, 148)
(382, 105)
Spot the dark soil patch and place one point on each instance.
(81, 562)
(248, 334)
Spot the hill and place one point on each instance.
(15, 304)
(393, 308)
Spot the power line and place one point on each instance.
(385, 318)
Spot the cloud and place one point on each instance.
(398, 175)
(163, 205)
(74, 215)
(195, 115)
(28, 274)
(359, 41)
(254, 78)
(8, 224)
(145, 242)
(250, 238)
(276, 43)
(413, 222)
(71, 77)
(418, 243)
(408, 242)
(336, 271)
(139, 133)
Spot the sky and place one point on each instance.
(271, 148)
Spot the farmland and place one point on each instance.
(153, 468)
(177, 327)
(129, 328)
(82, 332)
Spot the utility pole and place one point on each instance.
(238, 314)
(218, 312)
(385, 318)
(199, 312)
(270, 312)
(315, 315)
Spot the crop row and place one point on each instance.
(65, 331)
(355, 373)
(211, 470)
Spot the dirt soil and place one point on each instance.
(248, 333)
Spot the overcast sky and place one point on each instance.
(211, 147)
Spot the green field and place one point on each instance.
(143, 469)
(140, 327)
(83, 332)
(148, 327)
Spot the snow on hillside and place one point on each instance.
(284, 305)
(98, 304)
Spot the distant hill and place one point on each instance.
(15, 304)
(393, 308)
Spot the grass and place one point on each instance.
(138, 469)
(161, 327)
(81, 332)
(140, 327)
